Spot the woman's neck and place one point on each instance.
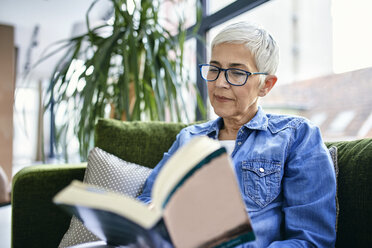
(232, 126)
(226, 134)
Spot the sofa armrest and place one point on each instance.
(354, 191)
(36, 221)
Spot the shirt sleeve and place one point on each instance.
(309, 190)
(145, 196)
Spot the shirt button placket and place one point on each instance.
(241, 132)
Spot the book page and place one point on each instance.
(179, 164)
(85, 195)
(207, 208)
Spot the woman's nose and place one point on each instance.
(221, 81)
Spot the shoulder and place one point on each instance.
(200, 128)
(298, 130)
(277, 123)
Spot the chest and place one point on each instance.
(259, 161)
(261, 146)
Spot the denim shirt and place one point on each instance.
(286, 178)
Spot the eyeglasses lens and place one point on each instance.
(209, 73)
(234, 76)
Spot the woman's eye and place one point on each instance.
(214, 71)
(238, 73)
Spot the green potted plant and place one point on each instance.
(130, 68)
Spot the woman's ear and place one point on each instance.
(269, 83)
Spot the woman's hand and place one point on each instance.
(150, 206)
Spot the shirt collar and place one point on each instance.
(258, 122)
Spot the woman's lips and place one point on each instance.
(222, 98)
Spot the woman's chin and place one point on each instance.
(224, 113)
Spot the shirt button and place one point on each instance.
(239, 143)
(262, 170)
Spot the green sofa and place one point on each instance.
(36, 222)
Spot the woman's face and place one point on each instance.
(228, 101)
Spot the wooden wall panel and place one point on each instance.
(7, 85)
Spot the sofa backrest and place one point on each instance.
(138, 142)
(354, 191)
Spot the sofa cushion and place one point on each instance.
(111, 172)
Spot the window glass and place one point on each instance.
(352, 36)
(325, 62)
(366, 129)
(188, 94)
(319, 118)
(173, 11)
(302, 40)
(214, 6)
(25, 124)
(341, 121)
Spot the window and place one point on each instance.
(319, 118)
(342, 120)
(214, 6)
(351, 53)
(366, 128)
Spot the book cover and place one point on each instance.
(196, 203)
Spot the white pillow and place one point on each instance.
(111, 172)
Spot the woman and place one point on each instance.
(283, 168)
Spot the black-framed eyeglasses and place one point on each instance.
(234, 76)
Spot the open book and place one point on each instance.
(196, 203)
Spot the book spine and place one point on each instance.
(241, 239)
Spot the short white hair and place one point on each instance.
(261, 44)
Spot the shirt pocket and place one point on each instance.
(261, 180)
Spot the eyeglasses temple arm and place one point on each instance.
(260, 73)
